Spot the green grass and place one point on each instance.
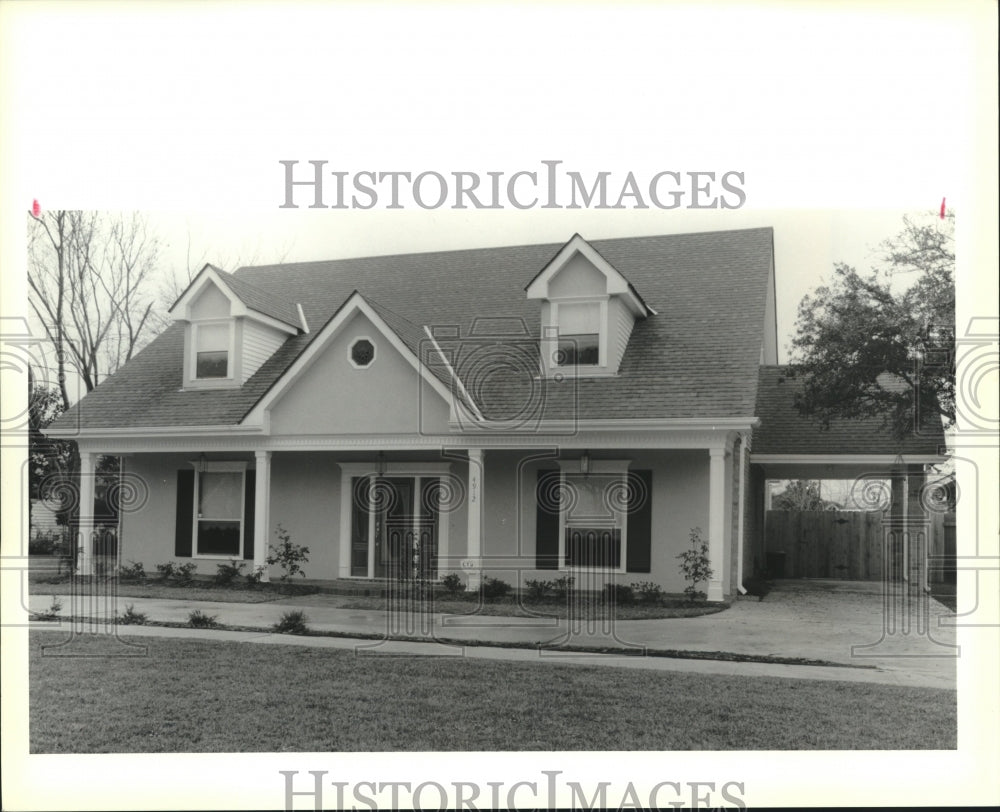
(195, 696)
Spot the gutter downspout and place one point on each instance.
(744, 437)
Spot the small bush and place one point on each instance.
(619, 594)
(254, 578)
(492, 588)
(225, 574)
(538, 590)
(49, 542)
(562, 587)
(695, 565)
(199, 620)
(133, 571)
(52, 613)
(453, 583)
(184, 572)
(293, 622)
(130, 617)
(290, 557)
(165, 571)
(647, 592)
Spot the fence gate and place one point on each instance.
(824, 544)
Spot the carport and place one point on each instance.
(894, 527)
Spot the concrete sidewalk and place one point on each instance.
(858, 627)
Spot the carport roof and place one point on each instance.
(783, 431)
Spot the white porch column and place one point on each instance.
(474, 546)
(85, 525)
(261, 511)
(716, 520)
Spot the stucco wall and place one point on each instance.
(333, 397)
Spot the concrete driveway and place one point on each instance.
(879, 637)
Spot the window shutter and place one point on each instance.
(249, 493)
(547, 520)
(185, 513)
(640, 524)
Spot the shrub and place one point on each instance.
(293, 622)
(130, 617)
(538, 590)
(453, 583)
(254, 578)
(184, 572)
(225, 574)
(695, 565)
(287, 555)
(494, 588)
(52, 613)
(647, 592)
(199, 620)
(49, 542)
(562, 587)
(165, 571)
(619, 594)
(133, 571)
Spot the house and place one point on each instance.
(518, 412)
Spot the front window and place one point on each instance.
(579, 335)
(212, 351)
(593, 521)
(220, 513)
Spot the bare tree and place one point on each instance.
(89, 279)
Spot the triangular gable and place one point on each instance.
(380, 318)
(617, 284)
(245, 300)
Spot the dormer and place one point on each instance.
(588, 311)
(230, 329)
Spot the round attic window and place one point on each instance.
(362, 353)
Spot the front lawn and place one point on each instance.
(194, 590)
(195, 696)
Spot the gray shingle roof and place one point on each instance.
(697, 357)
(784, 431)
(273, 305)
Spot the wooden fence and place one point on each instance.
(846, 545)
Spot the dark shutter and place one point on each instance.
(359, 526)
(185, 513)
(638, 556)
(547, 520)
(249, 491)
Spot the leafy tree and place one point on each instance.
(873, 346)
(802, 494)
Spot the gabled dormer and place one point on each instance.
(588, 311)
(230, 329)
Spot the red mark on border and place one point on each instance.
(36, 210)
(942, 208)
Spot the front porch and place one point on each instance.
(598, 515)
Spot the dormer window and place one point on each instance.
(588, 312)
(212, 342)
(578, 327)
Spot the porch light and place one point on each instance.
(380, 463)
(585, 463)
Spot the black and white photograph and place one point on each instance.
(499, 406)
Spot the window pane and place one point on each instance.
(213, 337)
(577, 319)
(594, 547)
(213, 365)
(578, 350)
(218, 538)
(221, 495)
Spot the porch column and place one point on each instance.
(474, 546)
(85, 522)
(261, 511)
(716, 520)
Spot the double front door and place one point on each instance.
(395, 527)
